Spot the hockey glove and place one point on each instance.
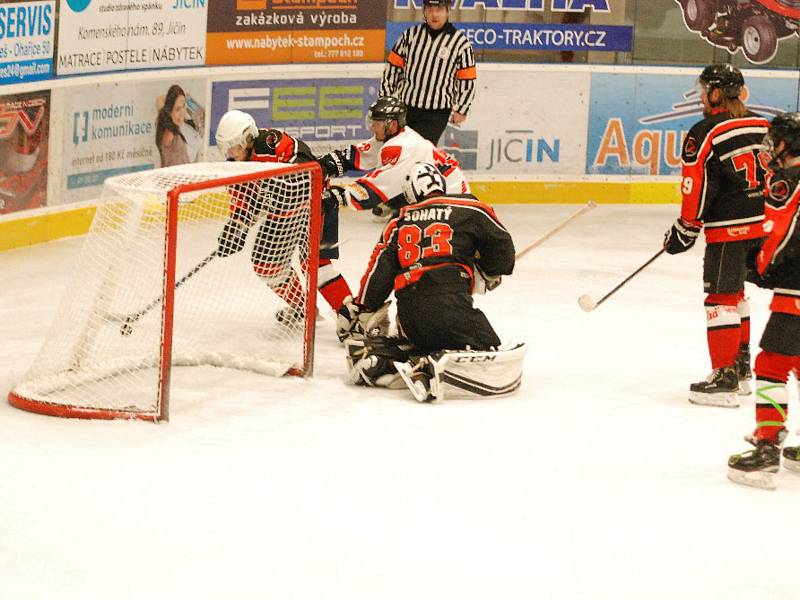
(331, 164)
(680, 237)
(483, 282)
(346, 319)
(354, 322)
(231, 239)
(333, 198)
(385, 211)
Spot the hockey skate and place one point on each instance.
(289, 315)
(757, 467)
(791, 458)
(720, 388)
(743, 371)
(418, 379)
(290, 321)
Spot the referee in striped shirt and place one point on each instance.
(432, 69)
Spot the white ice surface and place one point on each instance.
(597, 480)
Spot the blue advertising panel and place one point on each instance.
(329, 110)
(637, 122)
(26, 41)
(536, 36)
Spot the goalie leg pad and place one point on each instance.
(473, 374)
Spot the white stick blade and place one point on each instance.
(586, 303)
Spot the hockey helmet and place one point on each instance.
(388, 108)
(784, 128)
(423, 180)
(725, 77)
(235, 128)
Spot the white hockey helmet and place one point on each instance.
(423, 180)
(235, 128)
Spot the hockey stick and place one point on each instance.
(588, 305)
(332, 246)
(535, 244)
(126, 327)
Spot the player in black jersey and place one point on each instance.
(432, 257)
(778, 265)
(722, 185)
(239, 139)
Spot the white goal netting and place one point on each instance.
(200, 264)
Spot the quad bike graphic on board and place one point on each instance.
(755, 26)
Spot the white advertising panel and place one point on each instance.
(114, 35)
(114, 129)
(524, 123)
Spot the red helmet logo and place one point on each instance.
(779, 190)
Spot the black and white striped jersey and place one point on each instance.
(431, 69)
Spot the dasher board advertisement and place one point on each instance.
(117, 129)
(517, 126)
(536, 36)
(115, 35)
(325, 113)
(27, 31)
(549, 25)
(637, 122)
(756, 28)
(295, 31)
(24, 140)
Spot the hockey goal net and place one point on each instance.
(157, 284)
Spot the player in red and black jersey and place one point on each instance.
(440, 250)
(430, 256)
(239, 139)
(722, 185)
(778, 265)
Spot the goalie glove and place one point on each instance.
(332, 165)
(232, 238)
(680, 237)
(484, 283)
(354, 322)
(333, 198)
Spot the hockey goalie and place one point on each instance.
(439, 251)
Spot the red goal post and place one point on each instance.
(154, 288)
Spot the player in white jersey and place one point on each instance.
(387, 157)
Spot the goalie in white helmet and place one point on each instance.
(439, 251)
(239, 139)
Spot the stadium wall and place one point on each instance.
(536, 134)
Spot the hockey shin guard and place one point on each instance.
(723, 329)
(743, 308)
(332, 285)
(772, 396)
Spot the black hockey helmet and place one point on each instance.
(724, 77)
(784, 128)
(388, 108)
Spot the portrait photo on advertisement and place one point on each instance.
(179, 127)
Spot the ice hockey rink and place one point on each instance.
(596, 480)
